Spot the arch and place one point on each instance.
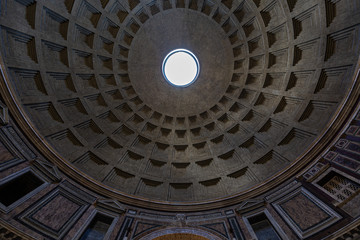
(198, 234)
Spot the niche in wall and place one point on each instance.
(18, 187)
(262, 227)
(343, 188)
(98, 227)
(339, 187)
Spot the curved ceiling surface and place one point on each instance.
(87, 76)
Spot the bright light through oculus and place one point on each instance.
(180, 67)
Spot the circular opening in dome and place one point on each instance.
(180, 67)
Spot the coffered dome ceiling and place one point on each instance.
(86, 80)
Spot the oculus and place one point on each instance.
(180, 67)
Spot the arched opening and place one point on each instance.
(181, 234)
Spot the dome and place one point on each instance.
(275, 82)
